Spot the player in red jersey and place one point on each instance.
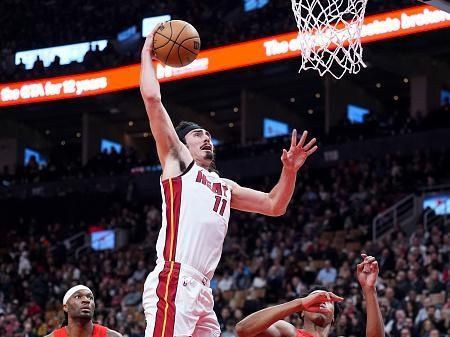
(79, 306)
(317, 310)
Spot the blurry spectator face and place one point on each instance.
(342, 320)
(225, 313)
(389, 293)
(427, 325)
(409, 322)
(431, 310)
(400, 276)
(435, 275)
(400, 316)
(412, 275)
(27, 327)
(434, 333)
(320, 319)
(405, 333)
(80, 305)
(446, 239)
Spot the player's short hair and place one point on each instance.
(184, 128)
(337, 306)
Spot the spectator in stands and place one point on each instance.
(327, 274)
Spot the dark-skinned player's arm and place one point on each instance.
(276, 201)
(269, 322)
(167, 143)
(367, 274)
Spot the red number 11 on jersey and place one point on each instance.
(219, 201)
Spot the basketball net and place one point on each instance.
(330, 35)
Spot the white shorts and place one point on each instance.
(178, 301)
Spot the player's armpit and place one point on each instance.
(167, 143)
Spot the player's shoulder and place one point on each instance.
(51, 334)
(230, 182)
(112, 333)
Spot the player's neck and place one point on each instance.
(316, 330)
(203, 164)
(79, 328)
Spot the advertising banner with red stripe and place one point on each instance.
(377, 27)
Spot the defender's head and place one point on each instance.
(322, 319)
(198, 142)
(78, 303)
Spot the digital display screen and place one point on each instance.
(445, 97)
(28, 153)
(102, 240)
(355, 114)
(126, 34)
(108, 145)
(250, 5)
(274, 128)
(439, 203)
(67, 53)
(148, 24)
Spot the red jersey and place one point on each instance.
(303, 333)
(98, 331)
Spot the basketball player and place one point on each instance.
(177, 298)
(318, 310)
(79, 306)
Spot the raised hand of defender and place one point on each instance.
(298, 152)
(367, 272)
(315, 301)
(148, 44)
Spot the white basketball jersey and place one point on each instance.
(195, 214)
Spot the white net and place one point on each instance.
(330, 35)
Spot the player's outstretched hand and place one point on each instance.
(367, 272)
(315, 301)
(298, 152)
(148, 44)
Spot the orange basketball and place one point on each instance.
(176, 43)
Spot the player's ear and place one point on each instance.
(65, 308)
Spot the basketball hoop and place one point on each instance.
(330, 35)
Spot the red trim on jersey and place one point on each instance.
(172, 193)
(166, 292)
(97, 331)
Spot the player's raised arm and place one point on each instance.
(367, 274)
(276, 201)
(167, 141)
(269, 322)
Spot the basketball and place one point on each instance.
(176, 43)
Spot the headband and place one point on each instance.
(182, 132)
(73, 290)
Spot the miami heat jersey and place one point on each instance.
(195, 214)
